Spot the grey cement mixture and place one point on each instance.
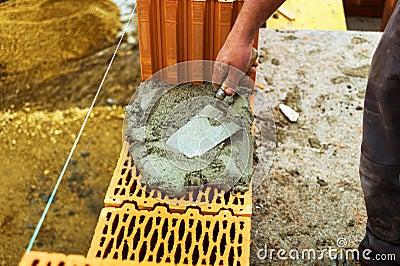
(159, 110)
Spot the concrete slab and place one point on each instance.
(311, 197)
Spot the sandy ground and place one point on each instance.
(310, 198)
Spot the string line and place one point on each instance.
(51, 198)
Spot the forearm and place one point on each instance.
(253, 14)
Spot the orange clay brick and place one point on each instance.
(125, 187)
(172, 31)
(36, 258)
(162, 237)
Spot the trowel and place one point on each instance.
(200, 134)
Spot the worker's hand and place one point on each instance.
(235, 54)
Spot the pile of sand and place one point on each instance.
(45, 33)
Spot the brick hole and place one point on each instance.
(227, 197)
(195, 255)
(203, 262)
(213, 256)
(115, 255)
(128, 177)
(186, 197)
(126, 162)
(235, 201)
(154, 240)
(115, 224)
(241, 201)
(136, 239)
(191, 222)
(195, 194)
(164, 230)
(158, 220)
(150, 258)
(148, 226)
(225, 223)
(142, 252)
(125, 250)
(132, 163)
(119, 182)
(61, 264)
(170, 243)
(167, 259)
(178, 251)
(131, 225)
(123, 191)
(132, 257)
(139, 193)
(231, 256)
(132, 189)
(218, 201)
(174, 220)
(203, 198)
(105, 229)
(141, 219)
(199, 231)
(123, 171)
(211, 195)
(240, 240)
(181, 230)
(223, 244)
(216, 231)
(108, 216)
(35, 262)
(125, 218)
(233, 232)
(98, 254)
(206, 243)
(160, 253)
(108, 248)
(239, 252)
(208, 223)
(188, 242)
(120, 236)
(185, 261)
(116, 191)
(241, 225)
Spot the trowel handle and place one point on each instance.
(221, 91)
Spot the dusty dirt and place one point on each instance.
(43, 104)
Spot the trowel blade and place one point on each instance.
(202, 133)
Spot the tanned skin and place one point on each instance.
(236, 50)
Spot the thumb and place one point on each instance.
(232, 80)
(220, 72)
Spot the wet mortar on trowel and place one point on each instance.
(158, 110)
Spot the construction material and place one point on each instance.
(125, 188)
(176, 31)
(159, 236)
(289, 113)
(37, 258)
(159, 111)
(313, 15)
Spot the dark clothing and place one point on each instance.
(380, 150)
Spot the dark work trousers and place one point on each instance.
(380, 150)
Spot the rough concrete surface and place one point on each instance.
(311, 198)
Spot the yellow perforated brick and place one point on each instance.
(35, 258)
(125, 187)
(162, 237)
